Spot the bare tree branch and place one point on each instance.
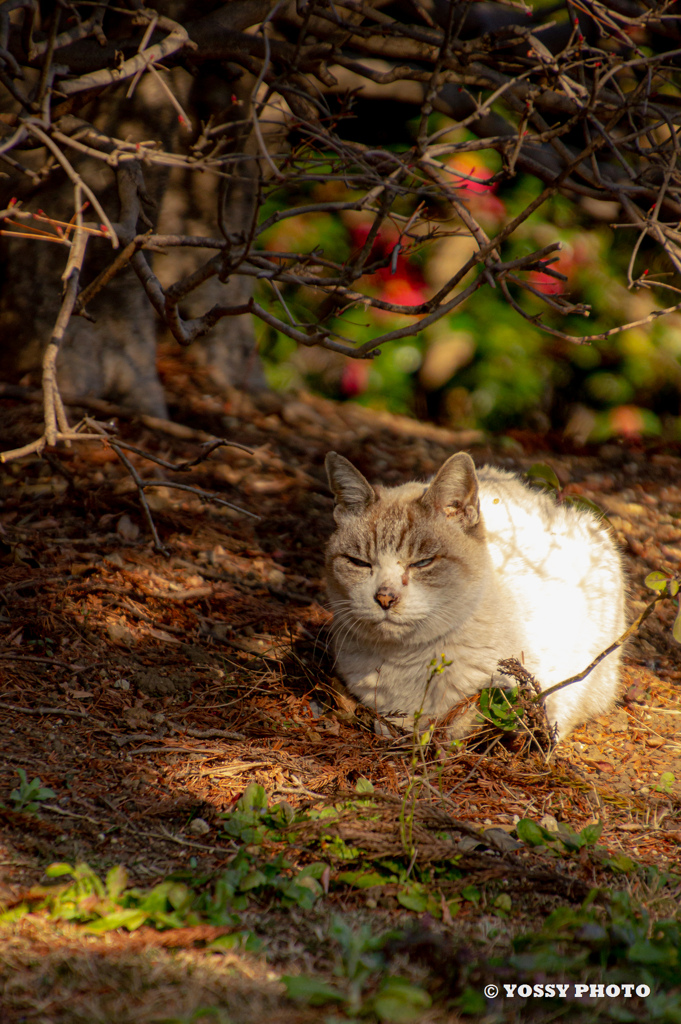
(584, 97)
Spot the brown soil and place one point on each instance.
(147, 690)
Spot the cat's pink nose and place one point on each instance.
(386, 597)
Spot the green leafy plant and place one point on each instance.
(500, 707)
(666, 782)
(359, 964)
(667, 585)
(103, 905)
(618, 938)
(362, 808)
(543, 476)
(419, 890)
(29, 795)
(536, 835)
(566, 841)
(253, 820)
(180, 901)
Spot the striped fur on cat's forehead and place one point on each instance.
(411, 518)
(395, 523)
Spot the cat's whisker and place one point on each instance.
(340, 640)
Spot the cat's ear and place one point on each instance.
(353, 493)
(454, 491)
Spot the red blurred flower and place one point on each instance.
(548, 285)
(627, 421)
(355, 377)
(400, 281)
(404, 291)
(470, 174)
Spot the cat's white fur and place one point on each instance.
(475, 567)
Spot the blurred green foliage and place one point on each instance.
(485, 365)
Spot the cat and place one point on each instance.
(469, 569)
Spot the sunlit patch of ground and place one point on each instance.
(148, 691)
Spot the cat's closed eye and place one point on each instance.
(422, 563)
(360, 563)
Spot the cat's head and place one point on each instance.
(405, 563)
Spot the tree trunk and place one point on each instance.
(113, 355)
(191, 206)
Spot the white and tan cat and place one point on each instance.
(477, 567)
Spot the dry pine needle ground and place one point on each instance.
(148, 691)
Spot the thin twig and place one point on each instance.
(75, 178)
(609, 650)
(139, 483)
